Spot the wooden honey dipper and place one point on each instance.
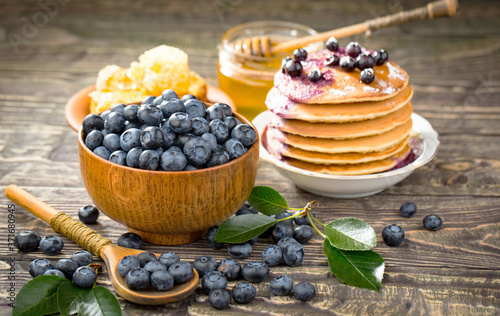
(261, 45)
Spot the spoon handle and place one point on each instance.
(60, 222)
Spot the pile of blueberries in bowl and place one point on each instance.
(168, 133)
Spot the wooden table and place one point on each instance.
(454, 70)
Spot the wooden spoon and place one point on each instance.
(100, 246)
(261, 46)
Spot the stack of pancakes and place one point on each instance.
(340, 125)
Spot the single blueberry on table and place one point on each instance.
(272, 255)
(102, 152)
(230, 268)
(150, 115)
(112, 142)
(197, 151)
(432, 222)
(67, 267)
(145, 257)
(282, 230)
(245, 134)
(234, 148)
(88, 214)
(39, 266)
(27, 240)
(180, 122)
(304, 291)
(82, 258)
(84, 277)
(303, 233)
(173, 160)
(162, 280)
(127, 264)
(240, 251)
(213, 280)
(94, 139)
(199, 126)
(130, 240)
(393, 235)
(118, 157)
(204, 265)
(215, 112)
(181, 271)
(55, 272)
(219, 298)
(51, 245)
(293, 254)
(210, 236)
(195, 108)
(243, 292)
(151, 138)
(133, 155)
(169, 258)
(153, 266)
(149, 160)
(130, 113)
(138, 279)
(281, 285)
(408, 209)
(130, 138)
(92, 122)
(255, 271)
(114, 123)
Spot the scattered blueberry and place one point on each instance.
(213, 280)
(27, 241)
(39, 266)
(381, 57)
(304, 291)
(303, 233)
(353, 49)
(67, 267)
(219, 298)
(54, 272)
(181, 271)
(138, 279)
(92, 122)
(127, 264)
(315, 75)
(282, 230)
(84, 277)
(230, 268)
(293, 254)
(243, 292)
(94, 139)
(162, 280)
(293, 68)
(432, 222)
(240, 251)
(204, 265)
(367, 75)
(272, 255)
(393, 235)
(130, 240)
(210, 236)
(88, 214)
(281, 285)
(169, 258)
(300, 54)
(332, 44)
(255, 271)
(82, 258)
(347, 63)
(408, 209)
(51, 245)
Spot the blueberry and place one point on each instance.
(315, 75)
(189, 167)
(157, 101)
(162, 280)
(204, 264)
(138, 279)
(188, 97)
(220, 130)
(272, 255)
(54, 272)
(303, 233)
(217, 158)
(365, 60)
(195, 108)
(230, 268)
(153, 266)
(169, 258)
(119, 107)
(183, 139)
(197, 151)
(367, 75)
(51, 245)
(39, 266)
(219, 298)
(231, 122)
(215, 112)
(111, 142)
(234, 148)
(213, 280)
(127, 264)
(130, 113)
(118, 157)
(133, 157)
(130, 240)
(82, 258)
(114, 123)
(172, 106)
(92, 122)
(408, 209)
(27, 240)
(151, 138)
(104, 115)
(281, 285)
(150, 115)
(210, 236)
(283, 63)
(180, 123)
(282, 230)
(304, 291)
(293, 254)
(94, 139)
(84, 277)
(303, 220)
(246, 209)
(347, 63)
(332, 44)
(67, 267)
(130, 138)
(199, 126)
(129, 125)
(332, 60)
(211, 140)
(148, 100)
(181, 271)
(293, 68)
(353, 49)
(285, 215)
(169, 94)
(245, 134)
(173, 160)
(149, 160)
(102, 152)
(300, 54)
(283, 242)
(393, 235)
(88, 214)
(432, 222)
(243, 292)
(145, 257)
(255, 271)
(169, 136)
(380, 57)
(227, 109)
(240, 251)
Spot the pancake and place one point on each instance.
(332, 146)
(285, 108)
(338, 86)
(344, 130)
(343, 158)
(352, 169)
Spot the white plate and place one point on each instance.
(352, 186)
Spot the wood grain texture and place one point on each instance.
(453, 69)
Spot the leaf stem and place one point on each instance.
(309, 216)
(317, 221)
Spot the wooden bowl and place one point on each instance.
(164, 207)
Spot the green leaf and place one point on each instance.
(267, 200)
(351, 234)
(239, 229)
(38, 296)
(363, 269)
(97, 301)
